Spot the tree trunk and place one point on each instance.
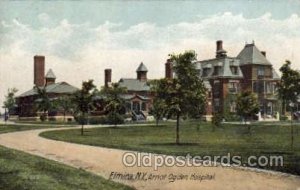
(82, 123)
(64, 116)
(5, 116)
(283, 107)
(177, 129)
(44, 115)
(115, 119)
(292, 133)
(157, 122)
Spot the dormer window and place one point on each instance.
(217, 70)
(234, 70)
(205, 72)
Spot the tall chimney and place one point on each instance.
(219, 45)
(107, 77)
(220, 52)
(168, 69)
(39, 70)
(264, 53)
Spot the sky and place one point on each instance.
(82, 38)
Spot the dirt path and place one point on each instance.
(104, 161)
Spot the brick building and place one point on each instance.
(226, 76)
(138, 97)
(27, 101)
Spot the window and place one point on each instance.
(233, 106)
(216, 105)
(234, 70)
(258, 87)
(269, 88)
(255, 87)
(233, 87)
(217, 70)
(216, 88)
(144, 106)
(269, 108)
(260, 71)
(205, 72)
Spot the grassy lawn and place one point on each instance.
(20, 171)
(234, 139)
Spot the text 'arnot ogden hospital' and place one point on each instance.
(224, 77)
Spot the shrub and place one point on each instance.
(98, 120)
(231, 117)
(115, 119)
(217, 119)
(51, 119)
(107, 119)
(283, 118)
(80, 119)
(43, 117)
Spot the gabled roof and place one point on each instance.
(134, 84)
(56, 88)
(251, 55)
(50, 75)
(142, 67)
(130, 97)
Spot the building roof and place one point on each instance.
(207, 68)
(134, 84)
(275, 75)
(50, 75)
(130, 96)
(142, 67)
(56, 88)
(251, 55)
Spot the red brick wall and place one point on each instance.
(39, 70)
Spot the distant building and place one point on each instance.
(223, 76)
(27, 101)
(138, 97)
(226, 76)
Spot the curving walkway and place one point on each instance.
(103, 161)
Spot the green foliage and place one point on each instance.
(188, 88)
(83, 102)
(10, 101)
(247, 104)
(283, 118)
(98, 120)
(80, 119)
(217, 119)
(43, 102)
(289, 86)
(185, 95)
(107, 119)
(43, 117)
(114, 102)
(114, 119)
(64, 104)
(159, 109)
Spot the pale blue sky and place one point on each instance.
(132, 12)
